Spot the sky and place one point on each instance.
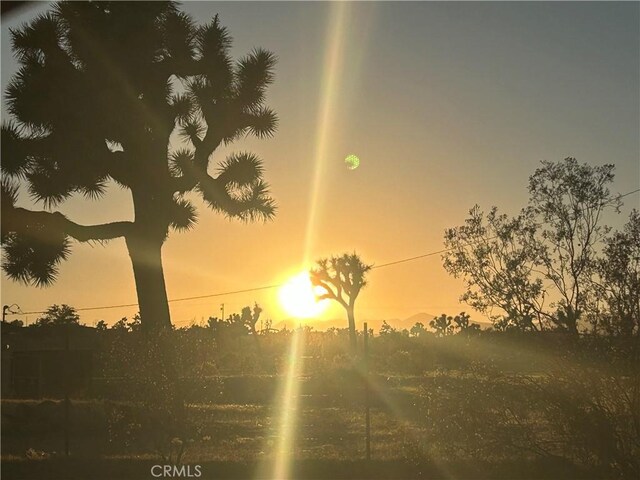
(446, 105)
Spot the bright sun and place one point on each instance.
(298, 297)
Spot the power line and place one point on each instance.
(630, 193)
(125, 305)
(225, 293)
(449, 249)
(411, 258)
(211, 295)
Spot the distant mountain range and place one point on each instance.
(400, 324)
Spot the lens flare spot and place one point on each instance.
(352, 162)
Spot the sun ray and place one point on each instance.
(287, 424)
(329, 96)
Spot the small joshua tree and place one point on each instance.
(342, 278)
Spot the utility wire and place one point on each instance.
(211, 295)
(413, 258)
(629, 193)
(184, 299)
(449, 249)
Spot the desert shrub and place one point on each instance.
(572, 413)
(597, 414)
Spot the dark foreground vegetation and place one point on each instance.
(477, 404)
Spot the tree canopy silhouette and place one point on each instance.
(342, 278)
(103, 91)
(58, 315)
(618, 280)
(537, 268)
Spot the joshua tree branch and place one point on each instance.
(186, 182)
(16, 219)
(331, 295)
(118, 167)
(197, 172)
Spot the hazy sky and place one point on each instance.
(446, 104)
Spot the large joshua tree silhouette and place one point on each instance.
(102, 89)
(342, 278)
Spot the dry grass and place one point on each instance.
(431, 424)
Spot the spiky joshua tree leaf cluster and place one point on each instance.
(101, 90)
(75, 98)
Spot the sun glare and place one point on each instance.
(298, 297)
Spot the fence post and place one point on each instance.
(67, 381)
(366, 393)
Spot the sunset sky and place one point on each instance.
(445, 104)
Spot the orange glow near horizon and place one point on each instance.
(439, 123)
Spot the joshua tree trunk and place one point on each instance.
(146, 259)
(144, 243)
(352, 329)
